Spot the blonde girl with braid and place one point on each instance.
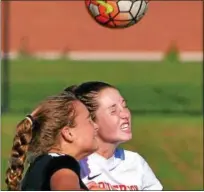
(52, 139)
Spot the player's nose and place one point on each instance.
(124, 114)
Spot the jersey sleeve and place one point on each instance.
(63, 162)
(149, 180)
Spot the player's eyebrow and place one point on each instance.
(114, 105)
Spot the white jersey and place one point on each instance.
(125, 170)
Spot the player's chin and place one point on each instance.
(126, 136)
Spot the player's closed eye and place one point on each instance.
(113, 110)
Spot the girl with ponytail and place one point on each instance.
(52, 139)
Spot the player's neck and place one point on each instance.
(72, 151)
(106, 150)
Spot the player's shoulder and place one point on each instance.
(133, 157)
(120, 153)
(129, 159)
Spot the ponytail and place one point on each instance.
(19, 150)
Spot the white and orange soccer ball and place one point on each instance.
(117, 13)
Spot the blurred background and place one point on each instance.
(157, 65)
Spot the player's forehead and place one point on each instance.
(109, 96)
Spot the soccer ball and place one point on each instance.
(117, 13)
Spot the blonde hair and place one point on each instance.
(38, 133)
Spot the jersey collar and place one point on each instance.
(95, 164)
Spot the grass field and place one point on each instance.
(147, 86)
(168, 135)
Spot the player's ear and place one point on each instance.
(67, 134)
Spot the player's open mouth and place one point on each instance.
(125, 126)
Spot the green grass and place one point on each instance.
(172, 144)
(160, 86)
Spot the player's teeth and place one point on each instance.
(124, 126)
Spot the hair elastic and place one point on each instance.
(30, 118)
